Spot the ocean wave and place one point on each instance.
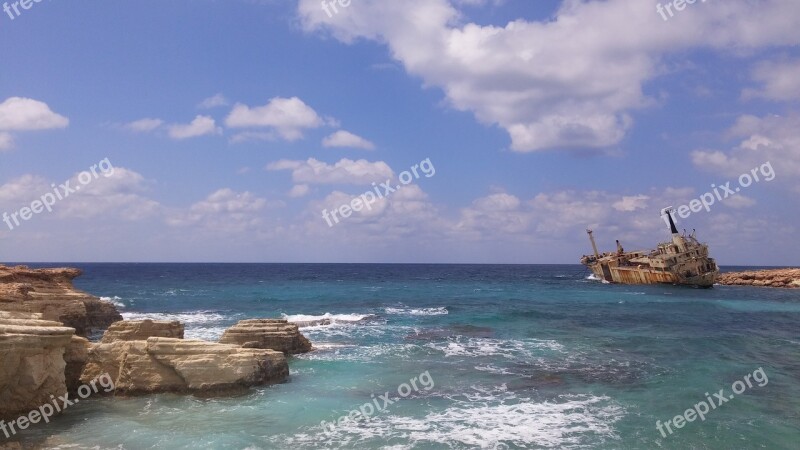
(114, 300)
(510, 349)
(187, 318)
(501, 422)
(202, 325)
(439, 311)
(305, 320)
(363, 354)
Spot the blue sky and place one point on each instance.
(232, 124)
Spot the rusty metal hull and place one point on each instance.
(682, 261)
(635, 275)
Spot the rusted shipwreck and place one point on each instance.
(682, 261)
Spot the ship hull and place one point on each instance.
(635, 275)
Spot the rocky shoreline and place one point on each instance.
(44, 322)
(780, 278)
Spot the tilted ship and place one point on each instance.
(683, 261)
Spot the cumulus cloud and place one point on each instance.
(288, 117)
(299, 190)
(25, 114)
(200, 126)
(118, 194)
(773, 139)
(572, 81)
(224, 210)
(631, 203)
(346, 171)
(143, 125)
(6, 141)
(214, 101)
(780, 81)
(347, 139)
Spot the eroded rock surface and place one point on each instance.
(273, 334)
(50, 292)
(175, 365)
(141, 330)
(33, 362)
(784, 278)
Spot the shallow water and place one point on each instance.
(518, 357)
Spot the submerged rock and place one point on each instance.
(33, 363)
(273, 334)
(50, 292)
(175, 365)
(140, 330)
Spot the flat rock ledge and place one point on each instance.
(273, 334)
(33, 365)
(139, 330)
(50, 292)
(159, 365)
(782, 278)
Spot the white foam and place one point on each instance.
(114, 301)
(524, 350)
(495, 420)
(189, 318)
(202, 325)
(305, 320)
(440, 311)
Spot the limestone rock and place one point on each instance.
(273, 334)
(32, 368)
(140, 330)
(75, 358)
(782, 278)
(175, 365)
(50, 292)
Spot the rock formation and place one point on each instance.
(140, 330)
(175, 365)
(273, 334)
(784, 278)
(50, 292)
(33, 365)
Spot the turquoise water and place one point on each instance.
(517, 357)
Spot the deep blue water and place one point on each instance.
(518, 356)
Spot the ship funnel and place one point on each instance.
(667, 215)
(594, 245)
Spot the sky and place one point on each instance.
(421, 131)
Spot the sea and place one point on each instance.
(468, 356)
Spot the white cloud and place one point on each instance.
(200, 126)
(346, 171)
(497, 213)
(25, 114)
(143, 125)
(224, 210)
(631, 203)
(772, 139)
(6, 141)
(347, 139)
(780, 81)
(570, 81)
(299, 190)
(248, 136)
(289, 117)
(215, 101)
(118, 195)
